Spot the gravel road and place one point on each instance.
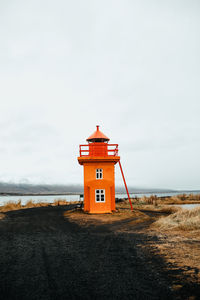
(44, 255)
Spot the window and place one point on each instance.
(99, 173)
(100, 195)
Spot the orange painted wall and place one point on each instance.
(91, 184)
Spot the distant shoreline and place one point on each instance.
(81, 193)
(39, 194)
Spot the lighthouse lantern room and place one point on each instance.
(98, 159)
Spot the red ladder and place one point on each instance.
(125, 185)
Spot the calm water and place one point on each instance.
(52, 198)
(47, 199)
(188, 206)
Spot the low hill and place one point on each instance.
(27, 189)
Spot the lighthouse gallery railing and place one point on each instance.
(98, 149)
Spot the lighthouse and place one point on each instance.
(98, 159)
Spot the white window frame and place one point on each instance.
(100, 192)
(99, 173)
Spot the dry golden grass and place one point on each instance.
(170, 209)
(60, 201)
(176, 199)
(183, 219)
(152, 199)
(181, 199)
(158, 208)
(9, 206)
(2, 216)
(151, 202)
(143, 204)
(29, 204)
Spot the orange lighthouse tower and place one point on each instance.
(98, 159)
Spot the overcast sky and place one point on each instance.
(133, 67)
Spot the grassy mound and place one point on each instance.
(183, 219)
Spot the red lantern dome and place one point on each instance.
(98, 136)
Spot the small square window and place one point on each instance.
(100, 195)
(99, 173)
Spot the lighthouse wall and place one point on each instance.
(92, 184)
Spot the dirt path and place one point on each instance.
(44, 255)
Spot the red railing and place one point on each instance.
(98, 149)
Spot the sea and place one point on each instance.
(188, 206)
(77, 197)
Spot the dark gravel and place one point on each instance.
(45, 256)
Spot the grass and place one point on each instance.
(182, 199)
(168, 209)
(145, 203)
(176, 199)
(1, 216)
(183, 219)
(9, 206)
(151, 202)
